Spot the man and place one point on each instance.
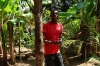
(52, 31)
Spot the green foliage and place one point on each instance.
(92, 21)
(14, 11)
(75, 13)
(17, 11)
(3, 4)
(70, 21)
(11, 6)
(81, 12)
(5, 31)
(95, 32)
(72, 46)
(46, 15)
(29, 40)
(90, 8)
(81, 5)
(21, 32)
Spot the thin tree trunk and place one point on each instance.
(39, 46)
(84, 37)
(19, 42)
(10, 32)
(84, 34)
(3, 46)
(1, 52)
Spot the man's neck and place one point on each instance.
(54, 22)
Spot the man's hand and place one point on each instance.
(52, 42)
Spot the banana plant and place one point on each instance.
(83, 13)
(2, 6)
(8, 11)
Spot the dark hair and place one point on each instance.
(52, 10)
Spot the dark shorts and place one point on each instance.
(54, 60)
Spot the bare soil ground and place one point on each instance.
(73, 61)
(78, 61)
(29, 62)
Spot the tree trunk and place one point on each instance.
(39, 46)
(19, 42)
(84, 34)
(10, 33)
(1, 54)
(3, 46)
(84, 37)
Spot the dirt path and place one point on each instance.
(29, 62)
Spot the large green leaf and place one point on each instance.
(3, 4)
(8, 8)
(12, 6)
(81, 5)
(92, 21)
(64, 14)
(89, 9)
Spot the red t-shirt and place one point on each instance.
(52, 32)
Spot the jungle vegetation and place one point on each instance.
(21, 25)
